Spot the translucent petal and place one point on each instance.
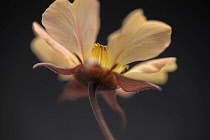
(46, 54)
(73, 25)
(138, 39)
(53, 44)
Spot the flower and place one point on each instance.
(68, 46)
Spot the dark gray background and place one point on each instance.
(29, 109)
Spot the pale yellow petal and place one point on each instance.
(138, 39)
(73, 25)
(136, 18)
(158, 77)
(53, 44)
(46, 54)
(131, 24)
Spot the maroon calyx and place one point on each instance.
(56, 69)
(111, 98)
(131, 85)
(104, 78)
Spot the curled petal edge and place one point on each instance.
(153, 66)
(159, 77)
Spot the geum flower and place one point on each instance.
(68, 45)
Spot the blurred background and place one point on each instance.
(29, 109)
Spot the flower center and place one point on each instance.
(104, 78)
(100, 54)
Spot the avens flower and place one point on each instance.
(67, 46)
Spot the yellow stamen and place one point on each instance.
(100, 54)
(121, 68)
